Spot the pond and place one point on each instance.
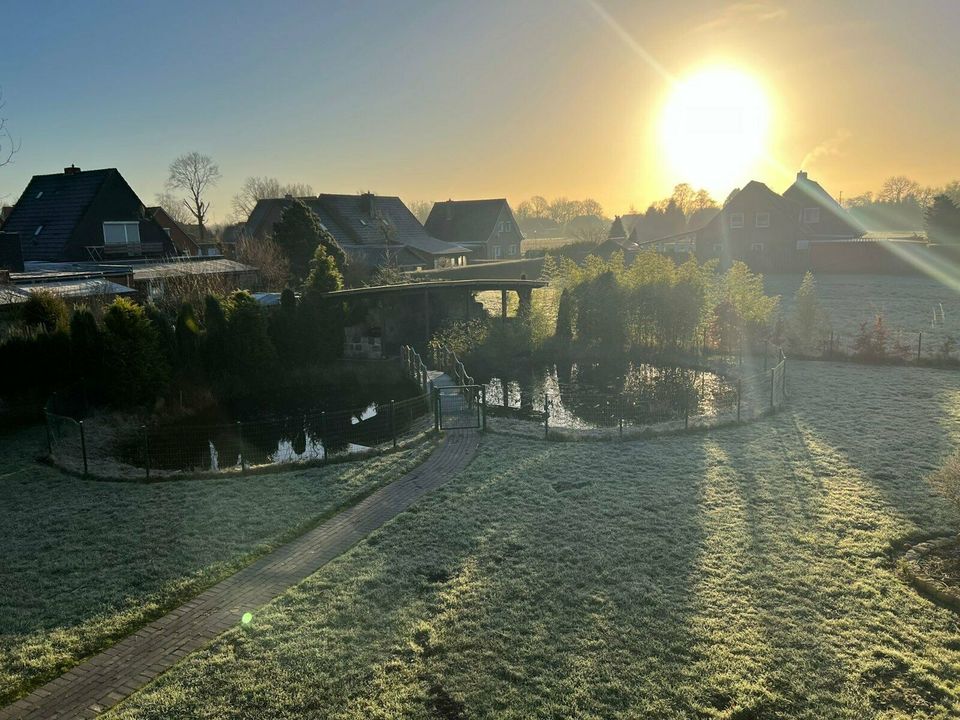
(205, 443)
(596, 395)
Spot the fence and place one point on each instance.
(98, 448)
(561, 412)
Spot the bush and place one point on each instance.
(86, 348)
(870, 344)
(947, 480)
(46, 310)
(134, 365)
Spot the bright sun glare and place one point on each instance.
(713, 131)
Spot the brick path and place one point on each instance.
(104, 680)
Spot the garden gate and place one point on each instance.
(460, 407)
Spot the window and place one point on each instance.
(803, 244)
(757, 247)
(116, 234)
(717, 249)
(511, 249)
(507, 226)
(811, 215)
(497, 252)
(762, 219)
(736, 220)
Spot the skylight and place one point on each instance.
(37, 231)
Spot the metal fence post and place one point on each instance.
(686, 413)
(393, 426)
(323, 435)
(546, 417)
(919, 345)
(783, 379)
(46, 419)
(773, 380)
(436, 409)
(146, 450)
(739, 396)
(620, 414)
(240, 444)
(483, 407)
(83, 447)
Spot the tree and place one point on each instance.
(421, 209)
(264, 188)
(589, 206)
(898, 188)
(86, 346)
(942, 221)
(267, 257)
(523, 211)
(8, 146)
(173, 207)
(133, 360)
(809, 319)
(324, 274)
(564, 329)
(194, 174)
(46, 310)
(299, 233)
(562, 210)
(539, 206)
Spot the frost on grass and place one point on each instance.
(85, 563)
(742, 573)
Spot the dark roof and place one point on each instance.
(465, 221)
(54, 203)
(804, 191)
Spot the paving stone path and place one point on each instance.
(103, 680)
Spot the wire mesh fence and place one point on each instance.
(97, 447)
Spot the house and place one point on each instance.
(374, 230)
(819, 212)
(486, 227)
(186, 243)
(82, 215)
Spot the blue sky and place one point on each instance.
(431, 100)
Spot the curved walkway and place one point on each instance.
(104, 680)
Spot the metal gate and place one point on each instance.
(460, 407)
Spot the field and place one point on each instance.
(908, 304)
(85, 563)
(748, 572)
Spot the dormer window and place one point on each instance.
(811, 215)
(121, 234)
(736, 220)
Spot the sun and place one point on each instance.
(714, 128)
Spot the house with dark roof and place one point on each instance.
(186, 242)
(819, 212)
(374, 230)
(487, 227)
(82, 215)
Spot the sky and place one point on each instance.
(449, 99)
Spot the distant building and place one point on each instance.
(186, 243)
(375, 230)
(87, 215)
(487, 227)
(819, 212)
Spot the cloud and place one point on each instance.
(738, 13)
(831, 147)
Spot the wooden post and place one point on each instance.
(919, 345)
(483, 406)
(436, 409)
(83, 448)
(323, 435)
(546, 417)
(620, 414)
(503, 304)
(783, 379)
(772, 386)
(686, 413)
(240, 445)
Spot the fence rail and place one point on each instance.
(93, 447)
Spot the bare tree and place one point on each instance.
(194, 174)
(267, 257)
(421, 209)
(263, 188)
(589, 206)
(562, 210)
(898, 188)
(539, 206)
(171, 204)
(8, 146)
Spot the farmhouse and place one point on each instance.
(487, 227)
(84, 215)
(374, 230)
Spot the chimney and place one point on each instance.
(802, 175)
(366, 203)
(72, 170)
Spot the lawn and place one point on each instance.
(85, 563)
(748, 572)
(908, 304)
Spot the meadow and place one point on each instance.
(747, 572)
(86, 563)
(910, 305)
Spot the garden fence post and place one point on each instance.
(546, 417)
(620, 414)
(772, 386)
(436, 409)
(686, 413)
(739, 396)
(483, 406)
(323, 434)
(240, 444)
(146, 450)
(393, 426)
(919, 345)
(46, 418)
(783, 379)
(83, 447)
